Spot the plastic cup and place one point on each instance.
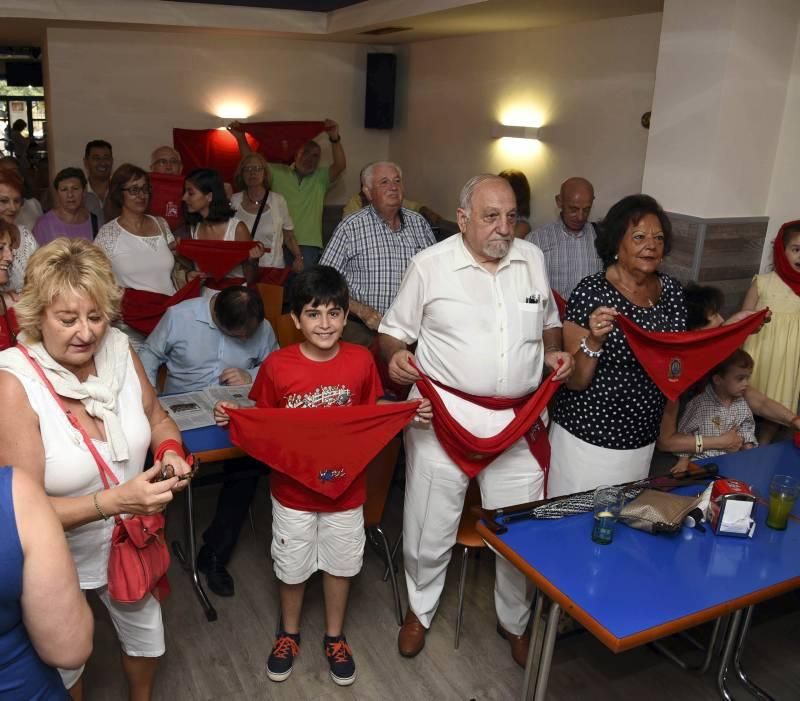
(782, 496)
(607, 504)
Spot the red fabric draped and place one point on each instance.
(209, 148)
(217, 148)
(676, 360)
(165, 198)
(273, 276)
(561, 303)
(324, 449)
(8, 329)
(471, 453)
(278, 141)
(782, 266)
(143, 310)
(217, 258)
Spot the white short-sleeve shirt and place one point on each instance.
(476, 331)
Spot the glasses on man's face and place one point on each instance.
(252, 170)
(168, 162)
(136, 191)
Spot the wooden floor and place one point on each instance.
(224, 660)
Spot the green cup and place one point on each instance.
(782, 496)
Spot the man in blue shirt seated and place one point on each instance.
(204, 342)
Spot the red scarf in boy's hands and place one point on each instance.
(676, 360)
(324, 449)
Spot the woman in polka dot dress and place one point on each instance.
(607, 419)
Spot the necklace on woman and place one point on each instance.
(631, 292)
(252, 200)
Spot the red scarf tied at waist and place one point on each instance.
(472, 453)
(143, 310)
(324, 449)
(217, 258)
(676, 360)
(782, 265)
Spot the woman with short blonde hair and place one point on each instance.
(72, 378)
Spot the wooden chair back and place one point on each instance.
(272, 299)
(286, 331)
(379, 481)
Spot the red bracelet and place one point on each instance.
(170, 444)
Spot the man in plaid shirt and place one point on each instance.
(372, 248)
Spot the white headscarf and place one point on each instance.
(98, 393)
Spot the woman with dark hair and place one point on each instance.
(209, 217)
(69, 217)
(522, 192)
(138, 244)
(23, 243)
(607, 419)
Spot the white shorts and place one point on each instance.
(139, 627)
(306, 541)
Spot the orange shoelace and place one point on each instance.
(339, 650)
(284, 646)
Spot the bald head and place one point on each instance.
(575, 202)
(167, 160)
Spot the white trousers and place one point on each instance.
(434, 499)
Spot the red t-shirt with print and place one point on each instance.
(288, 379)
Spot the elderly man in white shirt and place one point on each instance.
(480, 308)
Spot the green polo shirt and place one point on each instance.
(304, 198)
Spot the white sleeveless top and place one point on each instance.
(139, 262)
(270, 227)
(71, 471)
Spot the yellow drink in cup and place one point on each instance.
(782, 496)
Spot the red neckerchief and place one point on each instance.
(217, 258)
(165, 198)
(472, 453)
(143, 310)
(8, 328)
(782, 266)
(324, 449)
(676, 360)
(278, 142)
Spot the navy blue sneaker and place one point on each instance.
(285, 649)
(340, 660)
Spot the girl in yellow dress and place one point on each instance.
(776, 348)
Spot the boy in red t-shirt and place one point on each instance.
(311, 532)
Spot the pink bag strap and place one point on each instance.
(105, 470)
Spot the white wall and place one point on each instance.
(132, 87)
(783, 202)
(723, 68)
(588, 83)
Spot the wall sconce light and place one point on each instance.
(500, 131)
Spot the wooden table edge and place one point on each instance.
(219, 454)
(629, 642)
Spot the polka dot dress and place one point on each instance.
(621, 409)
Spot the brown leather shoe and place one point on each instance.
(519, 645)
(411, 638)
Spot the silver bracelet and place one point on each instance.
(588, 351)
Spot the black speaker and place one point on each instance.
(381, 75)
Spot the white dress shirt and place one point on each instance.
(477, 331)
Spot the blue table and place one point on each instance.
(210, 444)
(644, 587)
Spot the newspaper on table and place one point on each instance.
(196, 409)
